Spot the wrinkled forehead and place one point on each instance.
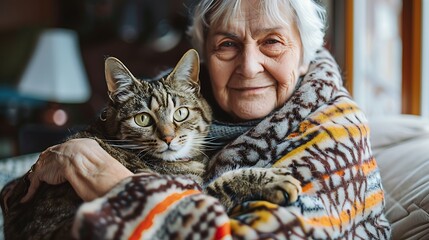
(233, 12)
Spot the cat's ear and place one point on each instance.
(119, 79)
(187, 70)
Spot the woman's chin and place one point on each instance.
(253, 111)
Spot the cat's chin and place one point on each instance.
(181, 160)
(173, 156)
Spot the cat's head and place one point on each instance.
(165, 118)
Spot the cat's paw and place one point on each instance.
(282, 189)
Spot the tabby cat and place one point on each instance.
(155, 125)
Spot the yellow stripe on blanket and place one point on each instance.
(331, 132)
(336, 111)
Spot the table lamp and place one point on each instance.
(55, 71)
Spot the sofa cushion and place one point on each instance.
(401, 147)
(392, 130)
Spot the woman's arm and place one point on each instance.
(83, 163)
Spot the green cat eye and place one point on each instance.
(143, 120)
(181, 114)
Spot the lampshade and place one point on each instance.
(55, 71)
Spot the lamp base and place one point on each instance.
(55, 115)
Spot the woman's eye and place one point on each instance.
(227, 50)
(143, 120)
(227, 44)
(271, 41)
(272, 47)
(181, 114)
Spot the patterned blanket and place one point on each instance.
(320, 135)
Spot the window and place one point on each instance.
(377, 56)
(382, 46)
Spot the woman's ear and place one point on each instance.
(303, 69)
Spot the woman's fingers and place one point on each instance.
(95, 173)
(34, 185)
(48, 168)
(7, 193)
(83, 163)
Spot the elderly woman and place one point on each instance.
(274, 86)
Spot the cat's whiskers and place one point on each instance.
(129, 146)
(218, 139)
(117, 140)
(121, 143)
(199, 150)
(214, 143)
(198, 146)
(209, 145)
(143, 153)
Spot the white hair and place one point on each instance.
(308, 16)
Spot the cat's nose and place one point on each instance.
(168, 139)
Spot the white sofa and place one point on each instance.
(401, 147)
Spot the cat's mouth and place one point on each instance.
(178, 160)
(171, 156)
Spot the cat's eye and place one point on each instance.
(143, 120)
(181, 114)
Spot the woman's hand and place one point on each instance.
(90, 170)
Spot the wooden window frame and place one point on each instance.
(425, 60)
(349, 42)
(411, 56)
(411, 34)
(340, 37)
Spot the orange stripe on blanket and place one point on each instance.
(223, 232)
(307, 187)
(329, 221)
(367, 168)
(159, 208)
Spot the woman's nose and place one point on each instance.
(251, 62)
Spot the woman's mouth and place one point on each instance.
(251, 90)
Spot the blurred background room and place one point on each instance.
(52, 58)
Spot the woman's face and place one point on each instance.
(254, 65)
